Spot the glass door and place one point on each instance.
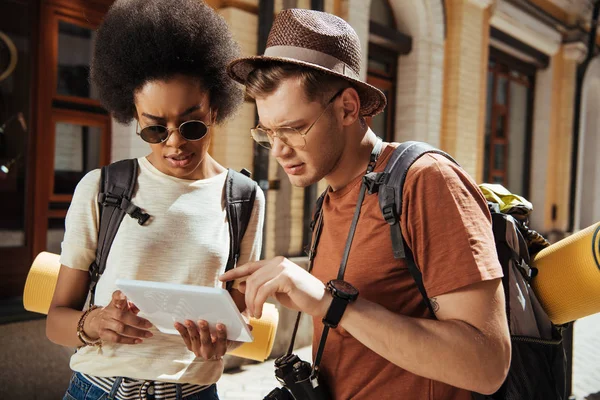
(76, 128)
(508, 126)
(16, 72)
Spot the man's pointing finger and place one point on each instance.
(242, 271)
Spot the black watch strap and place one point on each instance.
(335, 312)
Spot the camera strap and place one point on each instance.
(311, 256)
(341, 272)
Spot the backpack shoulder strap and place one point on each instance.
(117, 183)
(390, 202)
(240, 193)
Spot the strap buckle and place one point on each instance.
(134, 211)
(389, 214)
(373, 180)
(108, 199)
(141, 216)
(94, 273)
(528, 272)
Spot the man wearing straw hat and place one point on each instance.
(384, 343)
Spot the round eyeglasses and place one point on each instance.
(291, 137)
(190, 130)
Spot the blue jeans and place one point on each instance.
(82, 389)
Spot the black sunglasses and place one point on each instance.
(190, 130)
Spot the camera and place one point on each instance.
(298, 384)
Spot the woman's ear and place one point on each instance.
(351, 106)
(136, 120)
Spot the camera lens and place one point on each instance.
(279, 394)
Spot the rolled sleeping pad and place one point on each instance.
(568, 279)
(41, 283)
(263, 330)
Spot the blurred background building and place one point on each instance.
(510, 88)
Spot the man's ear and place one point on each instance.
(351, 106)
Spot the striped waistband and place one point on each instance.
(134, 389)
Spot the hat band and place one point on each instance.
(313, 57)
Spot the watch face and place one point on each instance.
(344, 289)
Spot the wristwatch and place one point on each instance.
(343, 294)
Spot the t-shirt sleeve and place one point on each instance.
(251, 245)
(448, 227)
(81, 225)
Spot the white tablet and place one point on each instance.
(163, 304)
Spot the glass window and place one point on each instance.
(508, 110)
(379, 123)
(380, 66)
(77, 151)
(500, 128)
(75, 44)
(499, 157)
(517, 128)
(501, 90)
(382, 13)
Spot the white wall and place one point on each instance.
(588, 172)
(420, 74)
(125, 142)
(541, 148)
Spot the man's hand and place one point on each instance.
(280, 278)
(117, 322)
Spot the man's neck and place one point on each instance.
(354, 160)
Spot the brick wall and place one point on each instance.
(464, 82)
(542, 127)
(562, 122)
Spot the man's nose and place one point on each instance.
(279, 148)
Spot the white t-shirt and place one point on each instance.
(185, 241)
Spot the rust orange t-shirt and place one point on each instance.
(447, 225)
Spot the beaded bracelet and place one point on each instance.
(85, 339)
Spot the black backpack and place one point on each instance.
(117, 183)
(538, 365)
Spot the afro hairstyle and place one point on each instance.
(140, 41)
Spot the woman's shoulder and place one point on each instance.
(89, 184)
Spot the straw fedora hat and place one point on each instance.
(315, 40)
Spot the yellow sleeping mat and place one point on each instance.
(568, 279)
(41, 282)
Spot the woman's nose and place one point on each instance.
(175, 139)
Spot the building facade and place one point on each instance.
(492, 82)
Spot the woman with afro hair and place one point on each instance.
(161, 63)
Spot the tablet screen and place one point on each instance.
(163, 304)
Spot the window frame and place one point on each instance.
(500, 66)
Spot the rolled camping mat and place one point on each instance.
(568, 279)
(41, 283)
(263, 330)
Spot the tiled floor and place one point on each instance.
(255, 381)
